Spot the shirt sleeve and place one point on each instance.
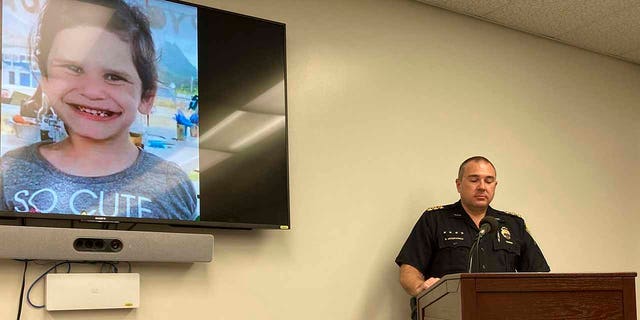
(531, 259)
(418, 247)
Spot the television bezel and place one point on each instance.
(107, 220)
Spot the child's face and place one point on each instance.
(93, 84)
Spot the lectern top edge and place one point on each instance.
(503, 275)
(524, 275)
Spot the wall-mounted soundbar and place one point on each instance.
(44, 243)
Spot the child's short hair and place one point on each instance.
(128, 22)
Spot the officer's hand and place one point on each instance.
(428, 283)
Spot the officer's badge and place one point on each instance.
(505, 233)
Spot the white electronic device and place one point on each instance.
(89, 291)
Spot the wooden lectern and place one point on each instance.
(540, 296)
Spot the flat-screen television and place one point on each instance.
(143, 111)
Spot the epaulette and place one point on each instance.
(511, 213)
(517, 215)
(435, 208)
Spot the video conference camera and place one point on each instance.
(97, 245)
(45, 243)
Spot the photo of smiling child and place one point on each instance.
(98, 78)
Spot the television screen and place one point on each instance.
(147, 111)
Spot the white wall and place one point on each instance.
(386, 98)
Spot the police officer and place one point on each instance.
(441, 241)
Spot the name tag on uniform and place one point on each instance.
(453, 235)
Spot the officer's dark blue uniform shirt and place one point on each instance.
(440, 242)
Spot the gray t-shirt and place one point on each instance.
(150, 188)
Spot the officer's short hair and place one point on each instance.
(474, 159)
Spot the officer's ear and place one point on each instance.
(458, 185)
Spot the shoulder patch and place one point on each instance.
(435, 208)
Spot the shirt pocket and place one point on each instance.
(453, 253)
(508, 253)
